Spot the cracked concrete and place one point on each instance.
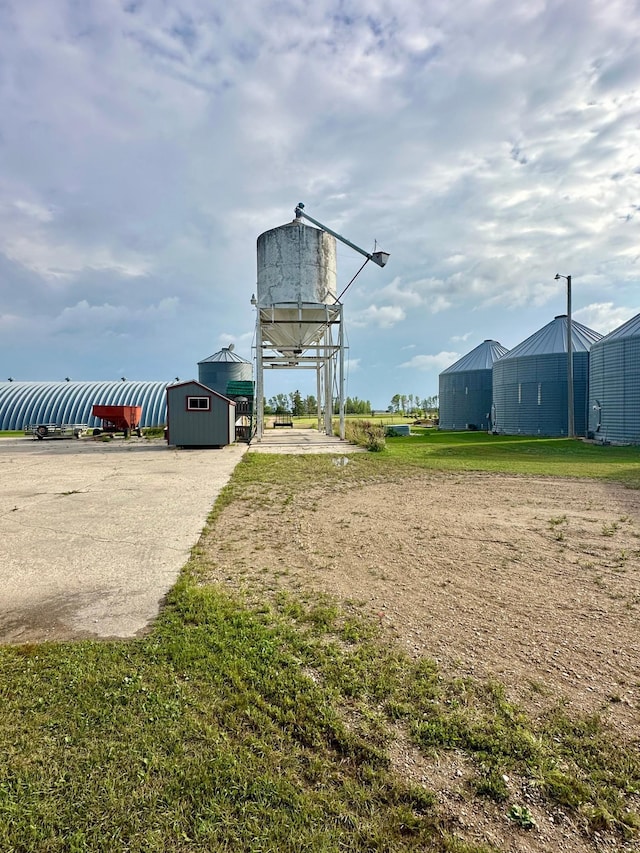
(94, 534)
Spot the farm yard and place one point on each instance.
(434, 647)
(526, 580)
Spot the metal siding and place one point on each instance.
(614, 382)
(525, 416)
(465, 398)
(25, 403)
(217, 374)
(296, 263)
(198, 429)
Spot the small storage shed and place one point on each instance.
(197, 416)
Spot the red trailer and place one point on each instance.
(124, 419)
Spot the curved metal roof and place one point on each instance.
(480, 358)
(552, 338)
(29, 403)
(630, 329)
(225, 354)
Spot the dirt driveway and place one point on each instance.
(533, 580)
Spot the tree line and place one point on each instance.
(299, 406)
(410, 404)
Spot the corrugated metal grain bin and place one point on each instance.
(614, 385)
(223, 367)
(466, 389)
(530, 382)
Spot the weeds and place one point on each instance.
(522, 816)
(365, 434)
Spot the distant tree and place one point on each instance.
(279, 403)
(297, 405)
(310, 405)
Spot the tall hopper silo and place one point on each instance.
(530, 382)
(465, 388)
(614, 385)
(296, 273)
(297, 310)
(299, 318)
(223, 367)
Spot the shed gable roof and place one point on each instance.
(204, 388)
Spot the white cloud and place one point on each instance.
(604, 317)
(241, 342)
(145, 146)
(384, 316)
(439, 361)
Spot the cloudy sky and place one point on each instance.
(145, 144)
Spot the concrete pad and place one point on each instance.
(295, 440)
(94, 534)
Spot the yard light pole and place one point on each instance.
(570, 413)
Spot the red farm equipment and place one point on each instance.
(125, 419)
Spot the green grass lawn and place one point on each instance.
(384, 418)
(478, 451)
(268, 728)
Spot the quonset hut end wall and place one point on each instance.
(29, 403)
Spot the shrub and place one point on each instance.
(365, 434)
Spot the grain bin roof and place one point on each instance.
(480, 358)
(552, 338)
(225, 354)
(630, 329)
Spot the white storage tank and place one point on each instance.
(296, 262)
(296, 279)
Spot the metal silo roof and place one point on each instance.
(480, 358)
(226, 354)
(552, 338)
(630, 329)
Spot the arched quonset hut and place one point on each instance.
(614, 385)
(465, 388)
(530, 382)
(29, 403)
(223, 367)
